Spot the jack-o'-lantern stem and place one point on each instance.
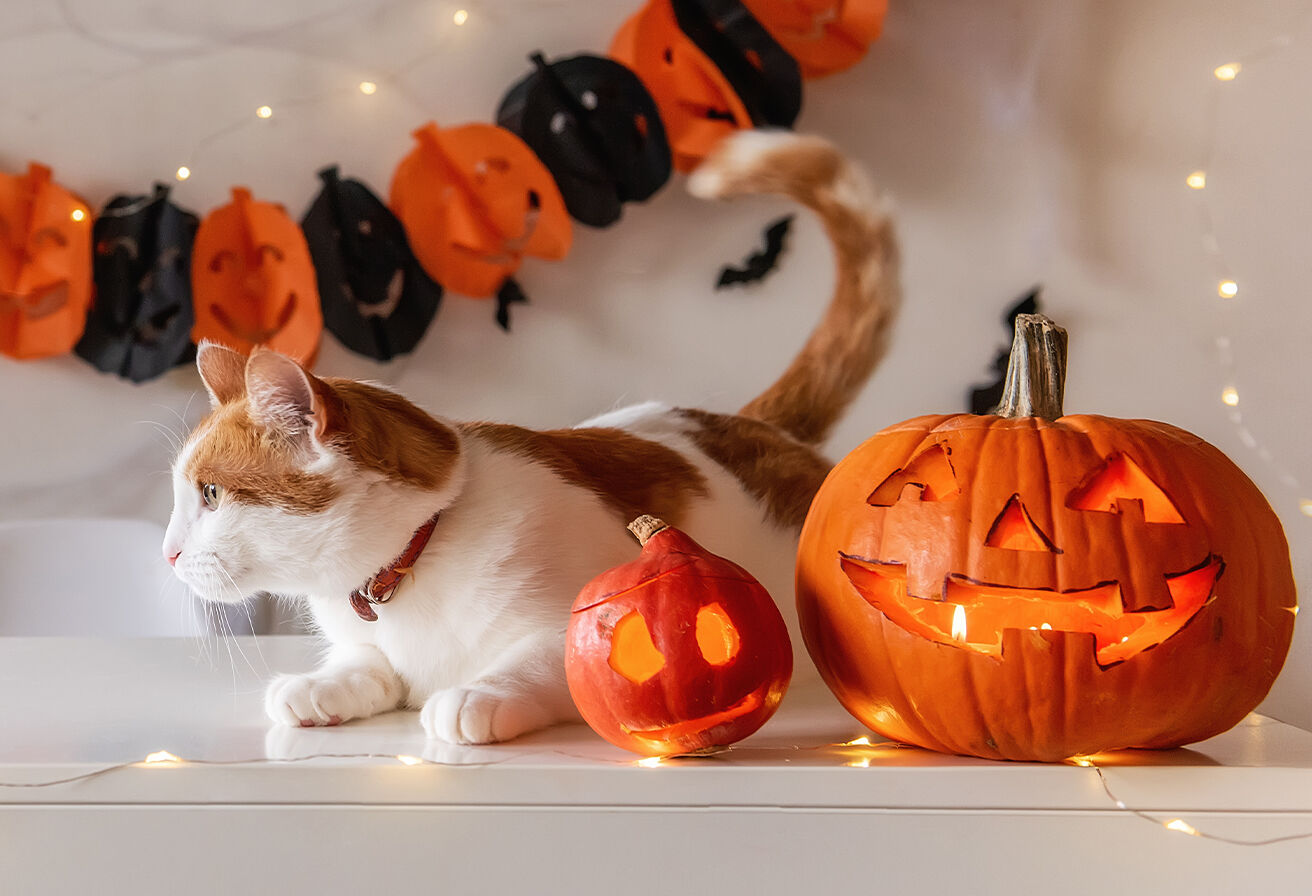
(645, 526)
(1036, 372)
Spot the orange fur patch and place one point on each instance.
(254, 466)
(631, 474)
(382, 431)
(781, 473)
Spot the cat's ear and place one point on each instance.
(222, 370)
(282, 396)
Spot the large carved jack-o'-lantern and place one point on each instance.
(45, 265)
(1029, 585)
(679, 651)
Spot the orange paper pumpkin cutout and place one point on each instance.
(253, 282)
(824, 36)
(474, 200)
(698, 104)
(45, 265)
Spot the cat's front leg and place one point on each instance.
(523, 691)
(355, 682)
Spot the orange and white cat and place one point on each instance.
(322, 488)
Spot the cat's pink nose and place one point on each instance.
(172, 558)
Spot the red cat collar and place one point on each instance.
(381, 585)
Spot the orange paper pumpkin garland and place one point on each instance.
(45, 265)
(1033, 585)
(253, 282)
(474, 200)
(824, 36)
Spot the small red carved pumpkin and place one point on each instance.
(253, 282)
(45, 265)
(679, 651)
(1030, 585)
(474, 200)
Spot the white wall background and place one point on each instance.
(1025, 141)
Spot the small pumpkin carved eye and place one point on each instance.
(1120, 481)
(222, 260)
(930, 472)
(211, 494)
(717, 638)
(269, 252)
(632, 653)
(49, 236)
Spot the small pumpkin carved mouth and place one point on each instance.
(663, 736)
(39, 303)
(973, 615)
(255, 335)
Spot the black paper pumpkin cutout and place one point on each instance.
(140, 324)
(763, 74)
(376, 298)
(596, 128)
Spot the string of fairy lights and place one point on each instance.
(860, 752)
(1227, 285)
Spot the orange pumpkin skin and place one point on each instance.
(933, 494)
(824, 36)
(45, 265)
(678, 651)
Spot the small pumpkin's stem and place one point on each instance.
(1036, 372)
(644, 527)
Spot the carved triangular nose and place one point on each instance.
(1015, 530)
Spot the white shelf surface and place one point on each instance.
(72, 706)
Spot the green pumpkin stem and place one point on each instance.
(644, 527)
(1036, 372)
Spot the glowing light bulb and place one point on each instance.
(1227, 289)
(1230, 396)
(78, 214)
(183, 172)
(1184, 827)
(649, 762)
(368, 88)
(1227, 72)
(1305, 506)
(862, 741)
(1197, 180)
(264, 112)
(409, 760)
(461, 16)
(161, 756)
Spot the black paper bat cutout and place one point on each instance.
(375, 296)
(140, 324)
(763, 74)
(596, 128)
(985, 399)
(759, 264)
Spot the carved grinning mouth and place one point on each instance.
(972, 615)
(255, 335)
(40, 303)
(662, 736)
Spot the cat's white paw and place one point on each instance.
(330, 699)
(481, 715)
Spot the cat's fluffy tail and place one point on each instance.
(852, 336)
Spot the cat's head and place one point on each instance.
(295, 484)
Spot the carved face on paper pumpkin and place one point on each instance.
(474, 200)
(45, 265)
(1010, 572)
(375, 296)
(711, 68)
(253, 281)
(596, 128)
(140, 325)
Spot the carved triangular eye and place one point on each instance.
(1015, 530)
(1120, 480)
(929, 472)
(632, 653)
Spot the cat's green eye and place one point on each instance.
(211, 493)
